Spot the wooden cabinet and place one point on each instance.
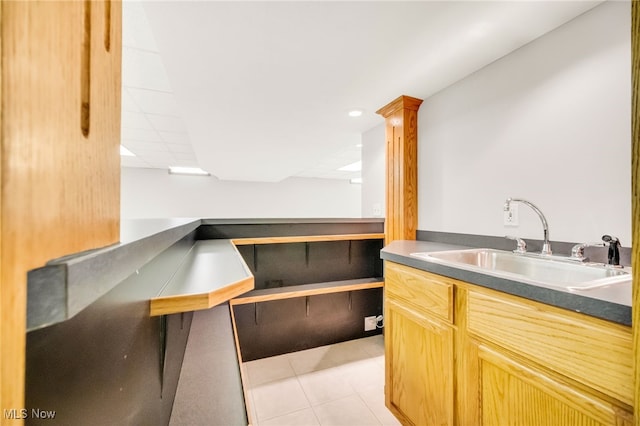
(59, 159)
(419, 347)
(490, 358)
(513, 392)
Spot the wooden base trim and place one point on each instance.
(304, 290)
(306, 239)
(193, 302)
(243, 374)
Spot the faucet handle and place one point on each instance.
(577, 251)
(521, 244)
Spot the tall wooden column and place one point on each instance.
(635, 196)
(401, 117)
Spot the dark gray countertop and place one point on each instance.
(611, 303)
(65, 286)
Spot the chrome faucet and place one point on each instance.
(546, 245)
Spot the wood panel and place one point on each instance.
(424, 292)
(300, 291)
(635, 196)
(401, 118)
(193, 302)
(306, 239)
(467, 403)
(419, 367)
(568, 344)
(519, 395)
(60, 187)
(244, 377)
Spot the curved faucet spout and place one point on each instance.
(546, 245)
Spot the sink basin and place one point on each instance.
(539, 270)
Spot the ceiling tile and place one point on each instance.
(154, 102)
(178, 148)
(167, 123)
(161, 164)
(149, 155)
(143, 135)
(135, 27)
(143, 69)
(132, 162)
(128, 104)
(184, 156)
(135, 120)
(141, 146)
(175, 137)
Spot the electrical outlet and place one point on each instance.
(511, 215)
(377, 210)
(370, 323)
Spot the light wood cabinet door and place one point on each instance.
(419, 366)
(517, 393)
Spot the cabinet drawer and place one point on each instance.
(586, 349)
(423, 291)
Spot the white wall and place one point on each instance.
(373, 172)
(153, 193)
(550, 123)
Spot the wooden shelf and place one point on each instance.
(307, 239)
(213, 272)
(288, 292)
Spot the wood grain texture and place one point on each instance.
(468, 396)
(588, 350)
(419, 366)
(60, 189)
(519, 395)
(428, 293)
(244, 377)
(635, 196)
(576, 367)
(193, 302)
(305, 292)
(401, 133)
(306, 239)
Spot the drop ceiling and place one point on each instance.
(260, 91)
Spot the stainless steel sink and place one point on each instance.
(547, 271)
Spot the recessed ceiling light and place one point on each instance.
(355, 113)
(125, 152)
(356, 180)
(359, 145)
(196, 171)
(353, 167)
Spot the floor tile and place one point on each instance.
(267, 370)
(340, 384)
(304, 417)
(362, 374)
(350, 351)
(374, 345)
(312, 360)
(373, 397)
(348, 411)
(325, 385)
(278, 398)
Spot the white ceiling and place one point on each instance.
(260, 91)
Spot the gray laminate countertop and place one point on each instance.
(611, 303)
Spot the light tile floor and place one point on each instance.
(340, 384)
